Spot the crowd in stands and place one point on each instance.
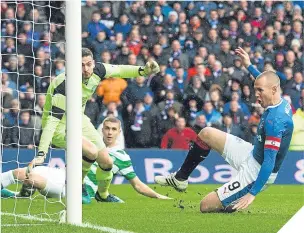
(201, 83)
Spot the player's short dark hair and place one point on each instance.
(87, 52)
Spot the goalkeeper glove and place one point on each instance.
(38, 160)
(150, 68)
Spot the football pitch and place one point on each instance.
(269, 212)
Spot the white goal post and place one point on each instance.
(74, 116)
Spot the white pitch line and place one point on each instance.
(83, 225)
(21, 225)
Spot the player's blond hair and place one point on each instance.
(112, 120)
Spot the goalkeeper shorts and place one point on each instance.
(88, 131)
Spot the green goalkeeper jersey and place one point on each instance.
(122, 165)
(54, 117)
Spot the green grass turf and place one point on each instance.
(269, 212)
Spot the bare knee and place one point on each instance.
(104, 160)
(211, 203)
(205, 134)
(89, 149)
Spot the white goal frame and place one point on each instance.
(74, 112)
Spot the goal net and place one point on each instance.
(33, 53)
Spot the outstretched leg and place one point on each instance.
(209, 138)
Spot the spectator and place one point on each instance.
(141, 130)
(135, 91)
(235, 86)
(291, 62)
(218, 76)
(215, 96)
(235, 96)
(172, 25)
(86, 12)
(231, 128)
(200, 123)
(246, 34)
(134, 42)
(213, 42)
(168, 84)
(165, 121)
(100, 44)
(122, 57)
(33, 37)
(146, 29)
(123, 26)
(157, 16)
(170, 101)
(106, 57)
(247, 97)
(178, 137)
(23, 133)
(176, 52)
(158, 55)
(111, 108)
(149, 104)
(27, 99)
(250, 135)
(192, 107)
(12, 114)
(96, 26)
(111, 89)
(135, 13)
(213, 117)
(6, 131)
(41, 82)
(237, 114)
(196, 88)
(180, 79)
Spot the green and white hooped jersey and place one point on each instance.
(122, 165)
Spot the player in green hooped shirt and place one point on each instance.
(122, 162)
(93, 147)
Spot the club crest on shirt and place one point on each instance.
(259, 138)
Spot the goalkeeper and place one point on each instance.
(93, 148)
(111, 128)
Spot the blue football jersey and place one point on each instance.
(274, 132)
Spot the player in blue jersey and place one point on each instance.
(257, 164)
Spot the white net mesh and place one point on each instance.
(32, 47)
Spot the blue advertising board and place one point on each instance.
(148, 163)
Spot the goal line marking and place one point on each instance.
(83, 225)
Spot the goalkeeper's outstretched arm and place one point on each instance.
(129, 71)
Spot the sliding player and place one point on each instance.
(54, 119)
(122, 162)
(257, 164)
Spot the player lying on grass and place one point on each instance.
(122, 163)
(257, 164)
(54, 119)
(51, 181)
